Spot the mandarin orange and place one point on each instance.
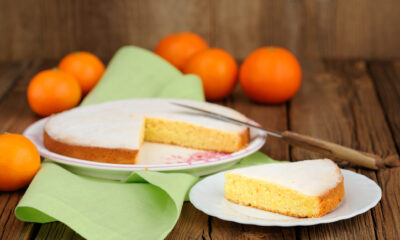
(86, 67)
(178, 48)
(53, 91)
(217, 70)
(270, 75)
(19, 161)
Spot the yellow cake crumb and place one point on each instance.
(280, 199)
(192, 136)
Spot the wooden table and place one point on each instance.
(354, 103)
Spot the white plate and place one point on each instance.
(153, 156)
(361, 194)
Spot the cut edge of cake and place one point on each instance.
(159, 130)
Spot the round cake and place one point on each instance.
(113, 132)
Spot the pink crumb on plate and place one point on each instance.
(195, 157)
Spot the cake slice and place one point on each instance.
(308, 188)
(113, 132)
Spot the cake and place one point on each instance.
(308, 188)
(114, 132)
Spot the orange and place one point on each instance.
(85, 67)
(270, 75)
(19, 161)
(178, 48)
(217, 70)
(53, 91)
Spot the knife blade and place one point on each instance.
(229, 119)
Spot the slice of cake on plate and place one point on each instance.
(308, 188)
(113, 132)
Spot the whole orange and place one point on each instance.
(178, 48)
(270, 75)
(85, 67)
(217, 70)
(53, 91)
(19, 161)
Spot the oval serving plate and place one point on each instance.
(156, 157)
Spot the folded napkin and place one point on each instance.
(147, 205)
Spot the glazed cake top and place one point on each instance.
(310, 177)
(119, 124)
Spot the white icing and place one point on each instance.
(118, 124)
(310, 177)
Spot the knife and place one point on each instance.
(329, 149)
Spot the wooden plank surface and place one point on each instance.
(340, 99)
(9, 75)
(331, 29)
(373, 134)
(386, 76)
(15, 115)
(192, 224)
(322, 109)
(348, 102)
(56, 230)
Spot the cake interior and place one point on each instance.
(189, 135)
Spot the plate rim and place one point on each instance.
(371, 205)
(254, 146)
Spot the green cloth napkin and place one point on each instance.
(137, 73)
(145, 206)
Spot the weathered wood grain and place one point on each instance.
(312, 28)
(192, 224)
(98, 27)
(320, 109)
(56, 230)
(371, 128)
(324, 108)
(9, 75)
(355, 26)
(20, 29)
(388, 216)
(373, 134)
(386, 76)
(230, 230)
(15, 115)
(10, 227)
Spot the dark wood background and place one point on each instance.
(356, 29)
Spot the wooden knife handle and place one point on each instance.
(334, 150)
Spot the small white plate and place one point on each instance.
(361, 194)
(153, 156)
